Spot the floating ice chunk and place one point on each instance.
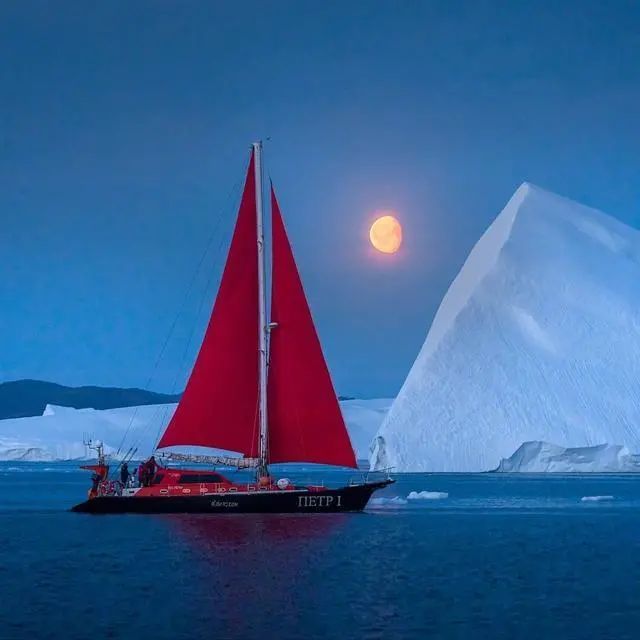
(596, 498)
(427, 495)
(536, 457)
(387, 503)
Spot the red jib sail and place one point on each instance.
(305, 421)
(219, 407)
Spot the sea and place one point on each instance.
(433, 556)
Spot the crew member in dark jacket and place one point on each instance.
(151, 467)
(142, 472)
(95, 484)
(124, 474)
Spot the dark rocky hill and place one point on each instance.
(22, 398)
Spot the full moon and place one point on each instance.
(386, 234)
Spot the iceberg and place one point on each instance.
(386, 503)
(537, 339)
(428, 495)
(17, 452)
(58, 434)
(536, 457)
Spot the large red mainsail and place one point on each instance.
(219, 408)
(305, 421)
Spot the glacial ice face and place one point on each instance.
(537, 457)
(58, 433)
(537, 338)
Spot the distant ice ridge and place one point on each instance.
(596, 498)
(535, 457)
(58, 433)
(537, 339)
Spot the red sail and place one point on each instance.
(219, 407)
(305, 421)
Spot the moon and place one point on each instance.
(386, 234)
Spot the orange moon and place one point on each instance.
(386, 234)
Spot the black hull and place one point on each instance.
(350, 498)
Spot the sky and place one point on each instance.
(124, 135)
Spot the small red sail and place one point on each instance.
(305, 421)
(219, 408)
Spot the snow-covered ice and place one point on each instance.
(427, 495)
(596, 498)
(58, 433)
(535, 457)
(537, 339)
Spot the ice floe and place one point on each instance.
(427, 495)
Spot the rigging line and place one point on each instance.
(234, 193)
(144, 430)
(161, 423)
(210, 239)
(185, 352)
(165, 409)
(203, 297)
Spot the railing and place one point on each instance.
(366, 477)
(225, 461)
(115, 487)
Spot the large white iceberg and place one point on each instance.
(58, 434)
(537, 339)
(537, 457)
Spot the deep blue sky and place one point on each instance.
(124, 131)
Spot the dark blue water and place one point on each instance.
(500, 557)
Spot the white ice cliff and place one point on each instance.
(537, 339)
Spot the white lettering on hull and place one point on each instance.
(323, 502)
(223, 503)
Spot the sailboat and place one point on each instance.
(259, 387)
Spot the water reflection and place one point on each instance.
(253, 568)
(238, 530)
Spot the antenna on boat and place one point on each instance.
(94, 445)
(262, 306)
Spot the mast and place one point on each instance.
(262, 306)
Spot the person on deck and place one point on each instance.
(151, 469)
(95, 483)
(124, 474)
(142, 473)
